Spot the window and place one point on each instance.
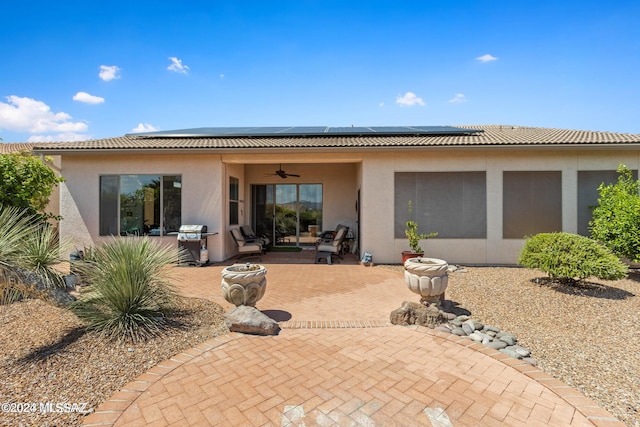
(588, 183)
(532, 203)
(453, 204)
(234, 196)
(140, 204)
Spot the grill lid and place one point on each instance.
(191, 232)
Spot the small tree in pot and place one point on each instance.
(411, 231)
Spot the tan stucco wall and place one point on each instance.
(206, 183)
(202, 197)
(378, 171)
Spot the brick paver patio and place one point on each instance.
(338, 362)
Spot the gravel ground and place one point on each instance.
(586, 336)
(47, 357)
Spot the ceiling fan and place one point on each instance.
(282, 174)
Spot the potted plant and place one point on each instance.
(411, 231)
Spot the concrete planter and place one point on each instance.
(244, 284)
(427, 277)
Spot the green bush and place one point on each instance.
(570, 257)
(130, 291)
(616, 219)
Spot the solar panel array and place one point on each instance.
(309, 131)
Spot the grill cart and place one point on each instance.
(193, 238)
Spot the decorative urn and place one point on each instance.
(244, 284)
(427, 277)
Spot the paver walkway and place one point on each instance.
(338, 362)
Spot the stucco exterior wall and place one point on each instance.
(378, 170)
(202, 196)
(339, 189)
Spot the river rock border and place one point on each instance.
(488, 335)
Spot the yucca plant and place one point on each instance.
(40, 251)
(15, 227)
(130, 291)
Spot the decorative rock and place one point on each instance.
(475, 336)
(523, 352)
(497, 344)
(508, 338)
(477, 325)
(449, 316)
(413, 313)
(490, 328)
(443, 328)
(511, 353)
(249, 320)
(468, 327)
(70, 281)
(458, 331)
(530, 360)
(457, 322)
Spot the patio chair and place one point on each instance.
(245, 249)
(327, 248)
(251, 237)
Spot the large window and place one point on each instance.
(453, 204)
(140, 204)
(588, 184)
(532, 203)
(234, 196)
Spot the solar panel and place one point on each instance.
(308, 131)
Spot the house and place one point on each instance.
(482, 188)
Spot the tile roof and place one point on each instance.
(12, 147)
(491, 136)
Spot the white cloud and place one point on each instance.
(87, 98)
(109, 72)
(61, 137)
(487, 58)
(29, 115)
(409, 99)
(221, 76)
(144, 127)
(177, 65)
(458, 98)
(381, 104)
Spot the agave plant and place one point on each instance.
(130, 291)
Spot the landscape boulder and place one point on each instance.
(414, 313)
(250, 320)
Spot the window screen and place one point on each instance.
(532, 203)
(588, 183)
(453, 204)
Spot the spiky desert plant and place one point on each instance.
(16, 225)
(130, 291)
(40, 251)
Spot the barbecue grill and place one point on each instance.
(193, 238)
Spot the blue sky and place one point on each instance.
(80, 69)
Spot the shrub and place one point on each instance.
(27, 182)
(616, 219)
(570, 257)
(130, 291)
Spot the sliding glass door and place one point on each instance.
(290, 214)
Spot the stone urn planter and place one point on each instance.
(427, 277)
(244, 284)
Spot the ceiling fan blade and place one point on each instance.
(292, 174)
